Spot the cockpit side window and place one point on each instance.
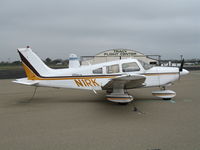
(145, 65)
(130, 67)
(112, 69)
(98, 71)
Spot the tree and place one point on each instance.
(48, 60)
(16, 62)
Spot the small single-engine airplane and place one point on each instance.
(115, 77)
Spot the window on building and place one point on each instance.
(112, 69)
(98, 71)
(153, 63)
(130, 67)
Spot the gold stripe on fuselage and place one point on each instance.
(32, 76)
(29, 73)
(158, 74)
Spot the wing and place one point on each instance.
(125, 82)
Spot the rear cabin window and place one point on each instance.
(98, 71)
(112, 69)
(130, 67)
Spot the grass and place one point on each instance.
(8, 67)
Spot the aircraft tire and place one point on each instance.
(166, 99)
(123, 103)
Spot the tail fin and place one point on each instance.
(34, 67)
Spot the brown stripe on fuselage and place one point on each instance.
(32, 76)
(29, 73)
(26, 62)
(32, 73)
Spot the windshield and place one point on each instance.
(145, 65)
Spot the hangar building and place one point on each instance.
(115, 54)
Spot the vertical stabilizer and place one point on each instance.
(33, 65)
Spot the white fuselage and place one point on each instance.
(114, 76)
(85, 78)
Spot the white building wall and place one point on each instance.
(112, 55)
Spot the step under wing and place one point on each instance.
(25, 81)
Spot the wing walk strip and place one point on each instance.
(32, 73)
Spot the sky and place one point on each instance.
(56, 28)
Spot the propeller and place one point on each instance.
(181, 68)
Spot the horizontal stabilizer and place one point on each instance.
(25, 81)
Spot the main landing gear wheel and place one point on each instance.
(166, 99)
(164, 94)
(119, 96)
(123, 103)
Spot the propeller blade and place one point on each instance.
(181, 67)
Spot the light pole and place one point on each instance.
(181, 57)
